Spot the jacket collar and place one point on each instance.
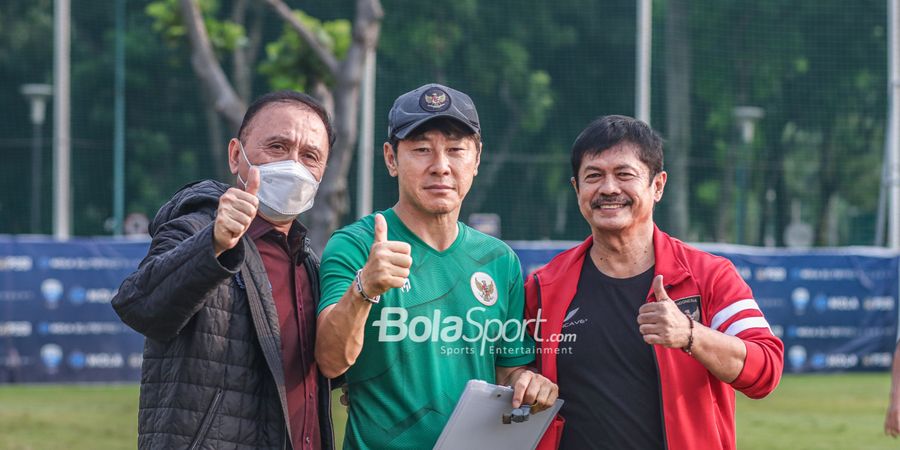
(668, 262)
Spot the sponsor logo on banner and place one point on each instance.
(841, 360)
(79, 360)
(797, 356)
(824, 303)
(800, 298)
(104, 360)
(817, 362)
(15, 329)
(823, 274)
(52, 290)
(87, 263)
(135, 360)
(15, 296)
(51, 356)
(76, 360)
(880, 359)
(771, 274)
(77, 295)
(16, 263)
(79, 328)
(822, 332)
(884, 303)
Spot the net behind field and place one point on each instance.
(539, 73)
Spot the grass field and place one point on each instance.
(821, 412)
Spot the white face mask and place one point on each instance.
(286, 188)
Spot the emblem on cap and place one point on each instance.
(434, 100)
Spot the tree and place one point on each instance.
(678, 113)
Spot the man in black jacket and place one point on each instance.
(227, 295)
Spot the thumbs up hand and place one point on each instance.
(388, 264)
(237, 208)
(661, 322)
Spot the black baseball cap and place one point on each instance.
(430, 102)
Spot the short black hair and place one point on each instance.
(449, 127)
(287, 96)
(608, 131)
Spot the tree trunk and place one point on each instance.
(207, 67)
(332, 200)
(243, 58)
(217, 146)
(827, 189)
(678, 114)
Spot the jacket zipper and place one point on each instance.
(539, 341)
(207, 420)
(662, 411)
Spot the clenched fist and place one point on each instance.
(388, 264)
(661, 322)
(237, 208)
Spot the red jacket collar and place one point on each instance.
(667, 251)
(669, 262)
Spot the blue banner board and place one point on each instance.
(56, 322)
(835, 309)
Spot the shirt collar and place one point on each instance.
(260, 227)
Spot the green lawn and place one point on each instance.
(806, 412)
(820, 412)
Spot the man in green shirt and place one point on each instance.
(415, 303)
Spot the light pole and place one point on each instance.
(37, 95)
(746, 117)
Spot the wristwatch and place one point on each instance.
(358, 282)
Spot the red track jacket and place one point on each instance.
(698, 408)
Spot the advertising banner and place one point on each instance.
(835, 309)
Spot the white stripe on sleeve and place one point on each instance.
(746, 324)
(730, 310)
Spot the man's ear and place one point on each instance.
(659, 185)
(574, 182)
(478, 146)
(234, 155)
(390, 159)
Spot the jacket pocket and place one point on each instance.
(207, 420)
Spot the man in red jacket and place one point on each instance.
(646, 336)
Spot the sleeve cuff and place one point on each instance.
(750, 372)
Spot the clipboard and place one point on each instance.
(477, 421)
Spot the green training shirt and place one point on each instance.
(459, 317)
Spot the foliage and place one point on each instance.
(538, 71)
(290, 63)
(224, 35)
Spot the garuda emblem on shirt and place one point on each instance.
(484, 288)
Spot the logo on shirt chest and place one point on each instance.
(572, 319)
(691, 306)
(484, 288)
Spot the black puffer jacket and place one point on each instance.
(212, 375)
